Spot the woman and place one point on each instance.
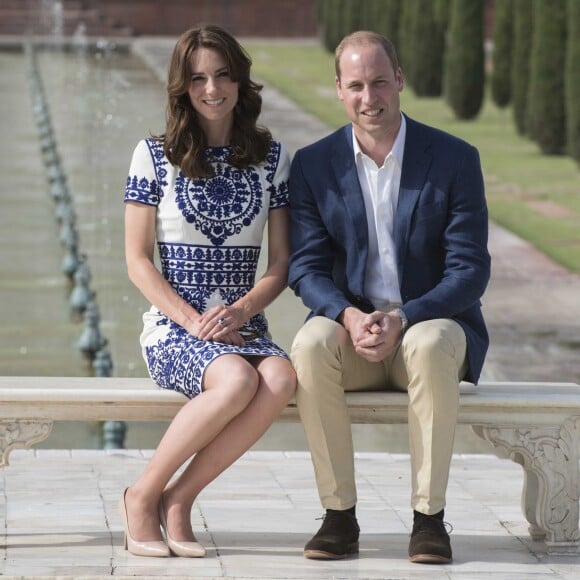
(203, 191)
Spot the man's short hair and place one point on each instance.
(363, 38)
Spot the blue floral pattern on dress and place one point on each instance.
(221, 205)
(178, 362)
(231, 270)
(142, 190)
(149, 190)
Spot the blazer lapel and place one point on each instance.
(416, 162)
(345, 171)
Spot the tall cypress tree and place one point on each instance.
(428, 43)
(334, 25)
(325, 23)
(367, 20)
(502, 52)
(573, 79)
(352, 15)
(343, 26)
(441, 11)
(547, 116)
(464, 74)
(521, 60)
(405, 34)
(388, 14)
(320, 12)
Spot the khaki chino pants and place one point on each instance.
(428, 364)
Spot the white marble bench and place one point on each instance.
(534, 424)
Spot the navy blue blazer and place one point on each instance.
(441, 230)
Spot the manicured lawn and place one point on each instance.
(533, 195)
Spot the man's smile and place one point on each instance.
(372, 112)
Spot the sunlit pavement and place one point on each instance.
(60, 509)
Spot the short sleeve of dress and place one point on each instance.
(279, 187)
(142, 182)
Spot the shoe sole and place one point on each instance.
(322, 555)
(429, 559)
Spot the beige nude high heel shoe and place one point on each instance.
(183, 549)
(155, 548)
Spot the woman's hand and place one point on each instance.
(221, 324)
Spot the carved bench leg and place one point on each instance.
(21, 433)
(549, 457)
(531, 499)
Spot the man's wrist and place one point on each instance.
(404, 320)
(344, 315)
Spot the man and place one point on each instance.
(389, 251)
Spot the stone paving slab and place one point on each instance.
(59, 510)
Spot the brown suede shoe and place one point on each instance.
(430, 542)
(336, 538)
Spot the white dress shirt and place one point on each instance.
(380, 188)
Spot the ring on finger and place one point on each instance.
(223, 322)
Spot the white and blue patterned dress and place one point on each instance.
(209, 234)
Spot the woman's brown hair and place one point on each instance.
(184, 140)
